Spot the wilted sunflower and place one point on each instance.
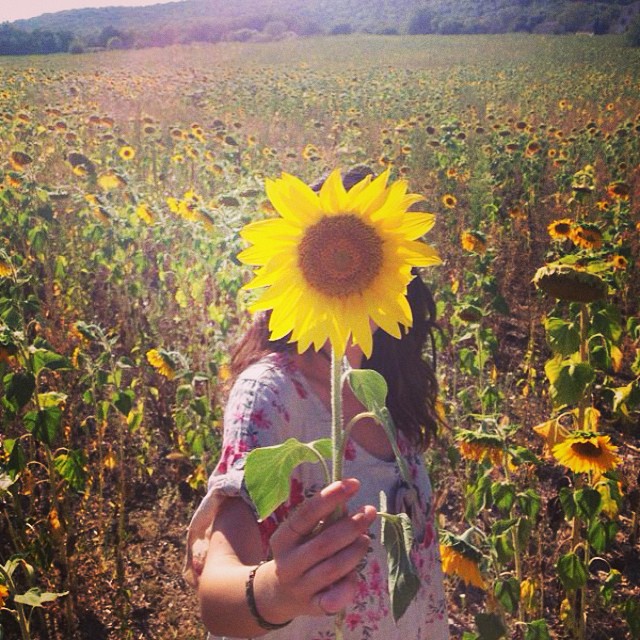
(618, 262)
(111, 180)
(4, 594)
(560, 229)
(459, 558)
(587, 236)
(473, 241)
(145, 213)
(19, 161)
(5, 268)
(585, 451)
(618, 190)
(80, 164)
(336, 259)
(480, 446)
(162, 361)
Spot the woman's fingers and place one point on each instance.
(304, 520)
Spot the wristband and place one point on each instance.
(251, 601)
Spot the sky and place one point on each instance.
(18, 9)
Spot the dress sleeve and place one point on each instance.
(254, 417)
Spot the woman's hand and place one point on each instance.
(313, 566)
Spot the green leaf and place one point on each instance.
(490, 626)
(19, 388)
(369, 387)
(46, 359)
(36, 598)
(631, 611)
(536, 630)
(588, 502)
(601, 534)
(608, 589)
(268, 470)
(563, 337)
(572, 571)
(508, 593)
(569, 380)
(72, 467)
(530, 503)
(44, 424)
(404, 582)
(123, 401)
(17, 457)
(567, 500)
(504, 495)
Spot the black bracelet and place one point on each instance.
(251, 601)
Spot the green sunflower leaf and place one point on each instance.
(404, 582)
(572, 571)
(268, 470)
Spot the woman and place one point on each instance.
(285, 576)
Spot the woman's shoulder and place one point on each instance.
(275, 374)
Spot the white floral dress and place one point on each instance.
(272, 401)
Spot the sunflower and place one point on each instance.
(618, 262)
(336, 259)
(618, 190)
(449, 201)
(4, 594)
(145, 213)
(127, 152)
(560, 229)
(111, 180)
(480, 446)
(460, 558)
(162, 362)
(19, 161)
(587, 236)
(473, 241)
(585, 451)
(5, 269)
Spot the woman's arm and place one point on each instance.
(310, 573)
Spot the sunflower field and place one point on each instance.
(125, 180)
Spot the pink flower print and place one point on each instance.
(259, 419)
(429, 535)
(300, 389)
(231, 453)
(376, 582)
(353, 620)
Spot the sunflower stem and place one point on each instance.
(337, 437)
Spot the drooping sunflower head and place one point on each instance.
(461, 558)
(337, 259)
(585, 451)
(163, 361)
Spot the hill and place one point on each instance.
(214, 20)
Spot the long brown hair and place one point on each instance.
(409, 372)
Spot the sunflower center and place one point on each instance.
(340, 255)
(587, 450)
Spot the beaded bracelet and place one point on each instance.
(251, 601)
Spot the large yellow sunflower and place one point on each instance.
(336, 260)
(584, 451)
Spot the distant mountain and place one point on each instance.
(213, 20)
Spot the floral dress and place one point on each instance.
(272, 401)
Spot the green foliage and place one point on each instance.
(633, 32)
(80, 30)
